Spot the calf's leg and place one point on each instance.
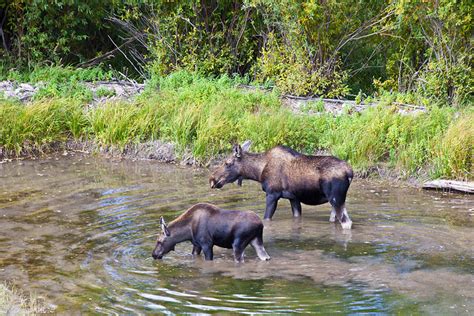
(196, 250)
(257, 244)
(238, 252)
(332, 217)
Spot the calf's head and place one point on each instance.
(231, 169)
(164, 243)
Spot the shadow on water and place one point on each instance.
(80, 231)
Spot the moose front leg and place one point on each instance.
(238, 251)
(272, 202)
(295, 207)
(208, 253)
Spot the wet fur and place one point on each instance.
(285, 173)
(205, 225)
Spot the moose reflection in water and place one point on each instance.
(205, 225)
(285, 173)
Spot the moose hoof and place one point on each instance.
(346, 225)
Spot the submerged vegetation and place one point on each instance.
(206, 115)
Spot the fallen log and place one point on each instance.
(450, 185)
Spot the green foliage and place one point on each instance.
(329, 48)
(208, 115)
(213, 38)
(104, 92)
(453, 155)
(313, 107)
(45, 32)
(39, 123)
(59, 74)
(293, 72)
(58, 81)
(431, 50)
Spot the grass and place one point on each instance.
(207, 115)
(59, 81)
(12, 302)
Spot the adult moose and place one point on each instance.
(285, 173)
(206, 225)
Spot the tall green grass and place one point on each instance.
(207, 115)
(40, 123)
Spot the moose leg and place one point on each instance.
(208, 253)
(332, 217)
(295, 207)
(257, 244)
(196, 250)
(343, 217)
(272, 202)
(238, 251)
(335, 192)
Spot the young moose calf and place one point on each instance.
(205, 225)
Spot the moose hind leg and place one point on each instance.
(295, 207)
(196, 250)
(343, 217)
(336, 192)
(257, 244)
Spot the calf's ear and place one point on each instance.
(246, 145)
(164, 228)
(237, 151)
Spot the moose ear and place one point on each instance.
(237, 151)
(164, 228)
(246, 145)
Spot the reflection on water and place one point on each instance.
(80, 232)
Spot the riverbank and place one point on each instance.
(190, 119)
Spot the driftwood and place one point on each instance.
(450, 185)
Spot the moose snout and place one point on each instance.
(156, 256)
(214, 183)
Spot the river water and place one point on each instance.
(79, 233)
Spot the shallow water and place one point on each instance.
(79, 232)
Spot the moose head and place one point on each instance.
(231, 169)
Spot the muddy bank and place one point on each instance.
(169, 153)
(153, 150)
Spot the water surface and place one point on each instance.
(79, 232)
